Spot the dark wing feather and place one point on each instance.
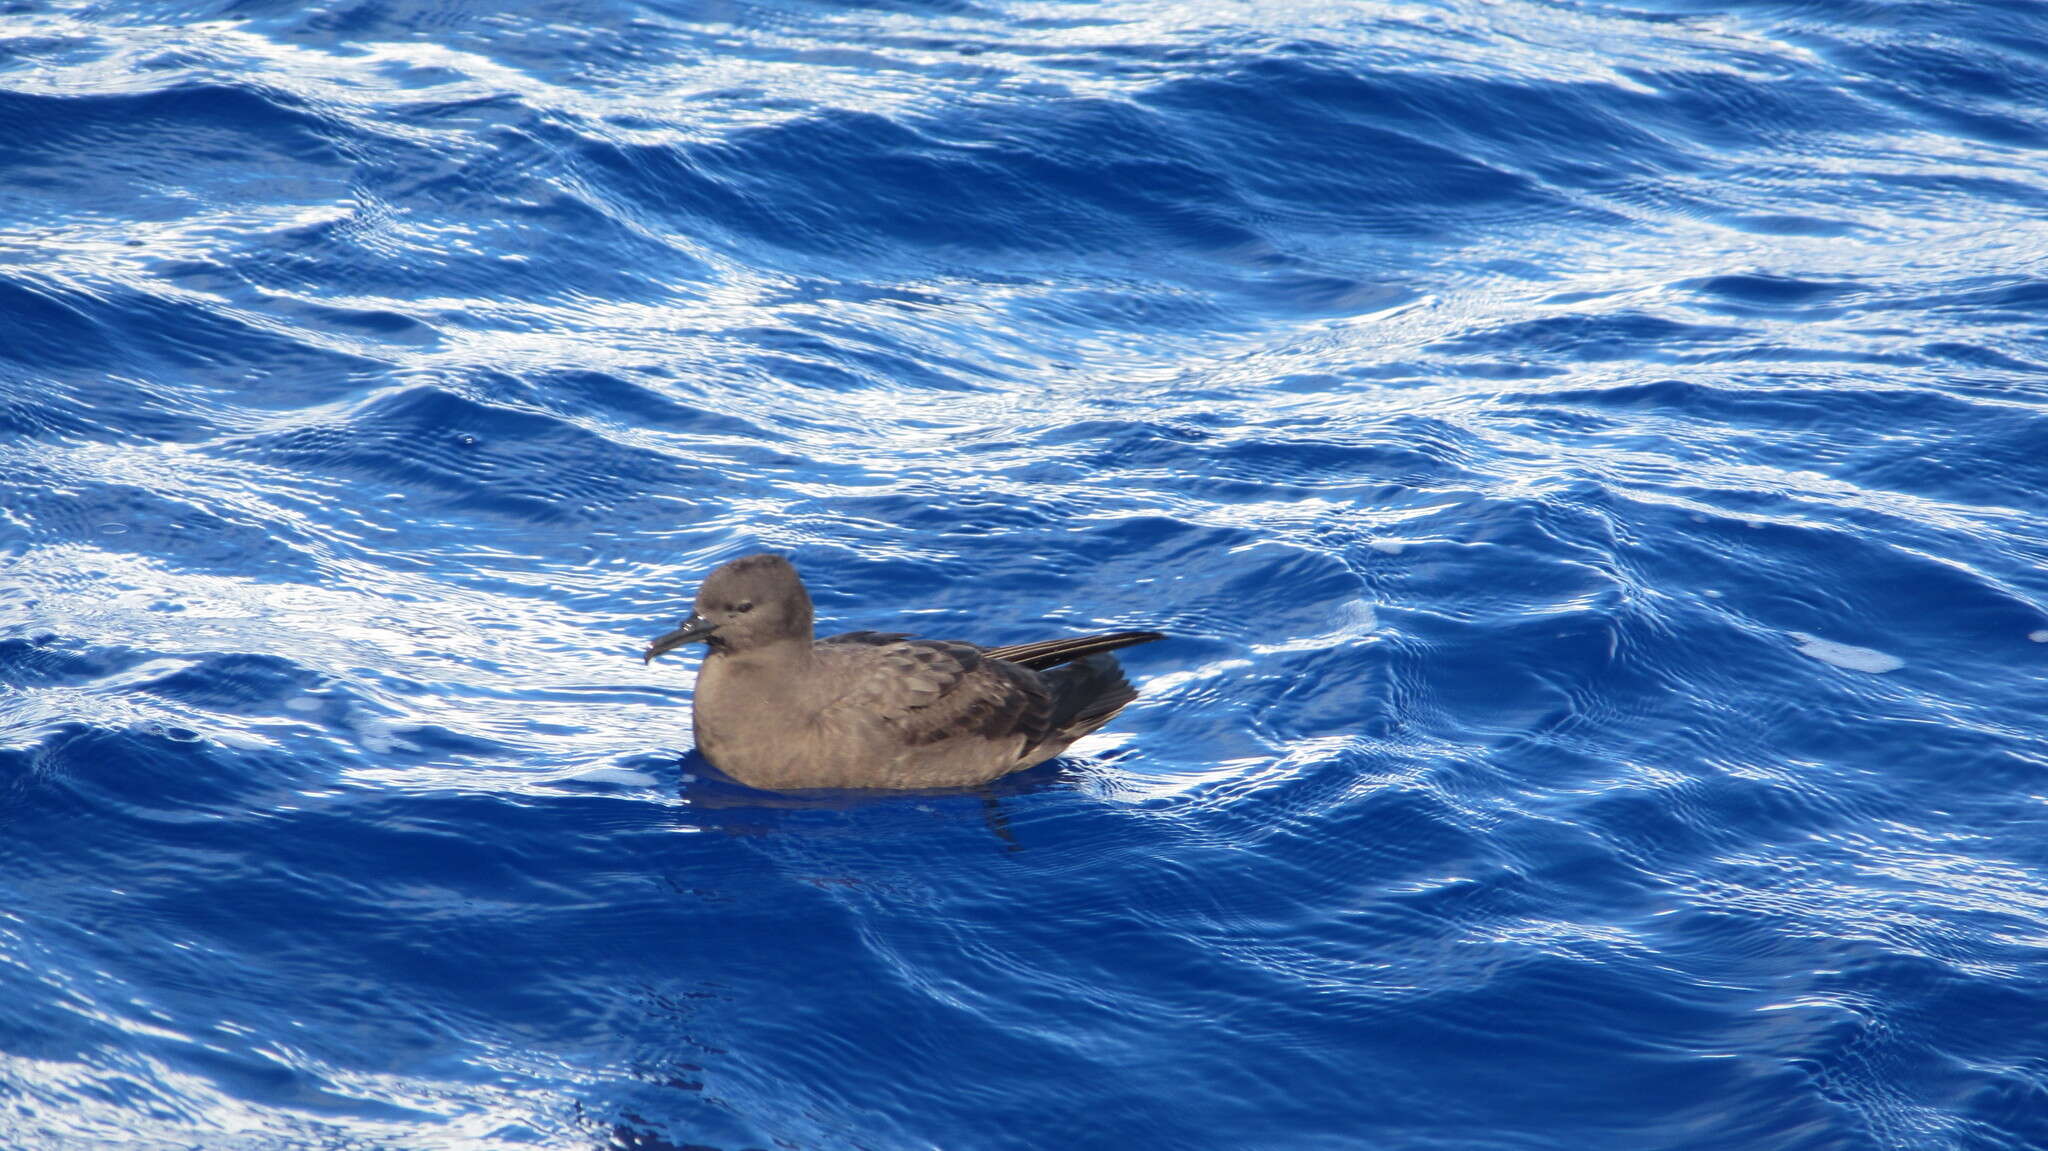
(1053, 652)
(868, 638)
(932, 691)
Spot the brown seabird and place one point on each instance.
(778, 710)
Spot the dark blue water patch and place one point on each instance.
(1855, 434)
(1591, 338)
(1663, 1108)
(1121, 552)
(49, 324)
(1368, 177)
(20, 48)
(185, 531)
(1295, 292)
(1858, 588)
(1981, 300)
(1141, 307)
(2008, 473)
(1756, 294)
(1764, 352)
(232, 137)
(1373, 456)
(527, 224)
(42, 657)
(96, 408)
(836, 357)
(1328, 692)
(1123, 163)
(85, 333)
(1572, 134)
(996, 515)
(154, 780)
(1903, 189)
(1493, 682)
(1760, 405)
(925, 508)
(645, 402)
(1077, 176)
(470, 454)
(1998, 363)
(1964, 89)
(278, 118)
(1093, 578)
(1725, 110)
(1793, 225)
(237, 682)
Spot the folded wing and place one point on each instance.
(932, 690)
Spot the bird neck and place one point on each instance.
(779, 657)
(761, 684)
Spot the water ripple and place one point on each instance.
(1588, 459)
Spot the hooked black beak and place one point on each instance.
(695, 628)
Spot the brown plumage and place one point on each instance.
(777, 709)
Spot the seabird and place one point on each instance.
(778, 710)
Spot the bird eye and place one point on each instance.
(744, 605)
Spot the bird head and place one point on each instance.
(749, 603)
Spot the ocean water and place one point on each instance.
(1591, 459)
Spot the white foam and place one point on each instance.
(377, 735)
(2039, 636)
(1847, 655)
(620, 776)
(241, 740)
(1353, 620)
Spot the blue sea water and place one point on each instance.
(1591, 459)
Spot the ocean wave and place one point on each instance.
(1587, 460)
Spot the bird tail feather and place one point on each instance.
(1085, 694)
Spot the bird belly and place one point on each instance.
(819, 756)
(760, 738)
(792, 751)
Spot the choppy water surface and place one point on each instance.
(1592, 459)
